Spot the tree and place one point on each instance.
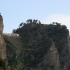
(21, 24)
(29, 21)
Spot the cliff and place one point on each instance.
(2, 43)
(3, 59)
(38, 47)
(1, 24)
(50, 60)
(43, 47)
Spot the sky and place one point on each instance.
(16, 11)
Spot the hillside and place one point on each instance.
(13, 48)
(38, 47)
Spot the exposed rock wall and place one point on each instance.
(3, 63)
(48, 51)
(2, 47)
(2, 43)
(1, 24)
(50, 60)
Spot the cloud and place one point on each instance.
(60, 18)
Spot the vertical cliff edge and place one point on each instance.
(3, 58)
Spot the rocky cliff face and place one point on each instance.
(2, 47)
(55, 60)
(50, 60)
(1, 24)
(44, 47)
(2, 43)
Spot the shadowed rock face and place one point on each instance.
(1, 24)
(47, 46)
(50, 60)
(2, 43)
(2, 47)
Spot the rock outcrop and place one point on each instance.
(44, 47)
(2, 43)
(1, 24)
(2, 47)
(37, 37)
(50, 60)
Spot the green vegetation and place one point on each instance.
(13, 47)
(35, 39)
(3, 64)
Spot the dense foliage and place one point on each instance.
(35, 35)
(36, 38)
(13, 48)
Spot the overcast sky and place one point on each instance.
(16, 11)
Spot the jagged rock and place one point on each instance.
(1, 24)
(2, 47)
(46, 48)
(50, 60)
(2, 43)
